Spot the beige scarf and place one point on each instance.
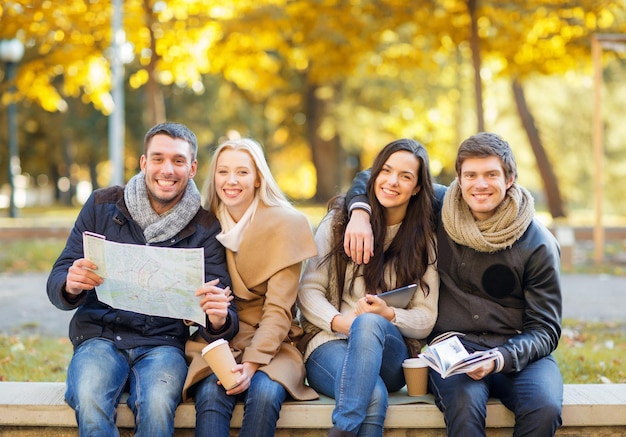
(232, 231)
(500, 231)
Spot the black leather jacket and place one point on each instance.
(510, 299)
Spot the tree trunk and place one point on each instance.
(476, 62)
(550, 183)
(325, 146)
(155, 100)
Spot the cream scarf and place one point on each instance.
(505, 227)
(232, 231)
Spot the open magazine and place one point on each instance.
(447, 355)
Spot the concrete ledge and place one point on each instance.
(37, 406)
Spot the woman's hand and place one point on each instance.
(215, 302)
(371, 303)
(247, 371)
(341, 323)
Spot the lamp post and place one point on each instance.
(116, 119)
(11, 52)
(617, 43)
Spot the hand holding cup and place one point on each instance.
(218, 356)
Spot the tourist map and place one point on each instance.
(158, 281)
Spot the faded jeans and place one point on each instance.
(359, 373)
(99, 373)
(262, 402)
(535, 395)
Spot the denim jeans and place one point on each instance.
(261, 407)
(535, 395)
(359, 372)
(98, 374)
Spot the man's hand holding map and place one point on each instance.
(146, 279)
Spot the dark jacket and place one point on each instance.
(510, 299)
(105, 213)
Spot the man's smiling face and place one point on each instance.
(483, 185)
(168, 166)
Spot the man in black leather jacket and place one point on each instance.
(117, 350)
(500, 289)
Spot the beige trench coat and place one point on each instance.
(265, 273)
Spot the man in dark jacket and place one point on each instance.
(117, 350)
(500, 289)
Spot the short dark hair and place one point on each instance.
(173, 130)
(484, 145)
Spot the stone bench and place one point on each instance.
(38, 409)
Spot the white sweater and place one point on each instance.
(416, 321)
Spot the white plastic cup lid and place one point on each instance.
(213, 344)
(414, 362)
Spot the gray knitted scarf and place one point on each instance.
(157, 228)
(500, 231)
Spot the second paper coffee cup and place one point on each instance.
(218, 356)
(416, 376)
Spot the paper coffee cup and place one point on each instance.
(218, 356)
(416, 376)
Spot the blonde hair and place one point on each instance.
(268, 191)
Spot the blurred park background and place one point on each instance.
(322, 84)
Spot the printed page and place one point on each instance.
(471, 362)
(448, 352)
(150, 280)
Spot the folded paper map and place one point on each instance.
(158, 281)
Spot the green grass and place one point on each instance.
(19, 256)
(34, 358)
(589, 353)
(592, 353)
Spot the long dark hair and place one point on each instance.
(410, 248)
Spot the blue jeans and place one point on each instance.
(261, 407)
(535, 395)
(98, 374)
(359, 372)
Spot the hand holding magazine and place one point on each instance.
(447, 355)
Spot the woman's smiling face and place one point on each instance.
(396, 183)
(236, 181)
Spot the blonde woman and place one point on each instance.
(266, 241)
